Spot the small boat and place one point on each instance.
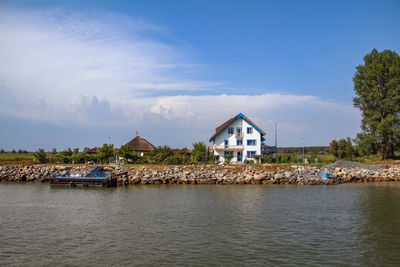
(96, 177)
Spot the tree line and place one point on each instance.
(107, 153)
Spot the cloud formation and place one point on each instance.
(74, 69)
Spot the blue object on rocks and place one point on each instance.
(325, 175)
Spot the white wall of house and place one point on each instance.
(232, 141)
(255, 135)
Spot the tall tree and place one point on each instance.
(105, 152)
(199, 151)
(377, 88)
(333, 148)
(342, 149)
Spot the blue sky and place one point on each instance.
(74, 73)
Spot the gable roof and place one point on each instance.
(140, 144)
(93, 150)
(184, 150)
(222, 127)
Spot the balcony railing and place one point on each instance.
(226, 147)
(239, 135)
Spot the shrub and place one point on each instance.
(162, 153)
(105, 152)
(128, 154)
(228, 158)
(40, 156)
(199, 152)
(173, 160)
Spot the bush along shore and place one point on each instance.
(339, 172)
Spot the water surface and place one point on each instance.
(200, 225)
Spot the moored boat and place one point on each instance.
(96, 177)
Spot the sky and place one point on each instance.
(84, 73)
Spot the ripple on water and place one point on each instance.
(202, 225)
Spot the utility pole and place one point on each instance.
(304, 161)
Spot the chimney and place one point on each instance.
(137, 134)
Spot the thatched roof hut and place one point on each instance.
(140, 144)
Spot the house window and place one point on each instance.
(251, 142)
(226, 143)
(228, 153)
(249, 130)
(230, 130)
(238, 130)
(251, 154)
(239, 142)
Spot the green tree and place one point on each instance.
(40, 156)
(257, 158)
(333, 148)
(76, 151)
(162, 153)
(66, 153)
(342, 146)
(105, 152)
(124, 151)
(228, 158)
(199, 151)
(377, 88)
(350, 151)
(54, 151)
(366, 144)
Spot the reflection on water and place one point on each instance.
(200, 225)
(380, 221)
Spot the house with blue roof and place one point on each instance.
(239, 137)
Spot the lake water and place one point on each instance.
(200, 225)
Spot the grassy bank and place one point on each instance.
(17, 158)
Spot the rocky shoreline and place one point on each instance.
(339, 173)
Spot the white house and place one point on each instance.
(238, 137)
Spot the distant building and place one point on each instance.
(140, 144)
(184, 150)
(238, 137)
(92, 151)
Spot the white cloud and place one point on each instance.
(74, 69)
(64, 55)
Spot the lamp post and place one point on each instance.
(302, 139)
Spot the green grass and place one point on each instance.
(16, 158)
